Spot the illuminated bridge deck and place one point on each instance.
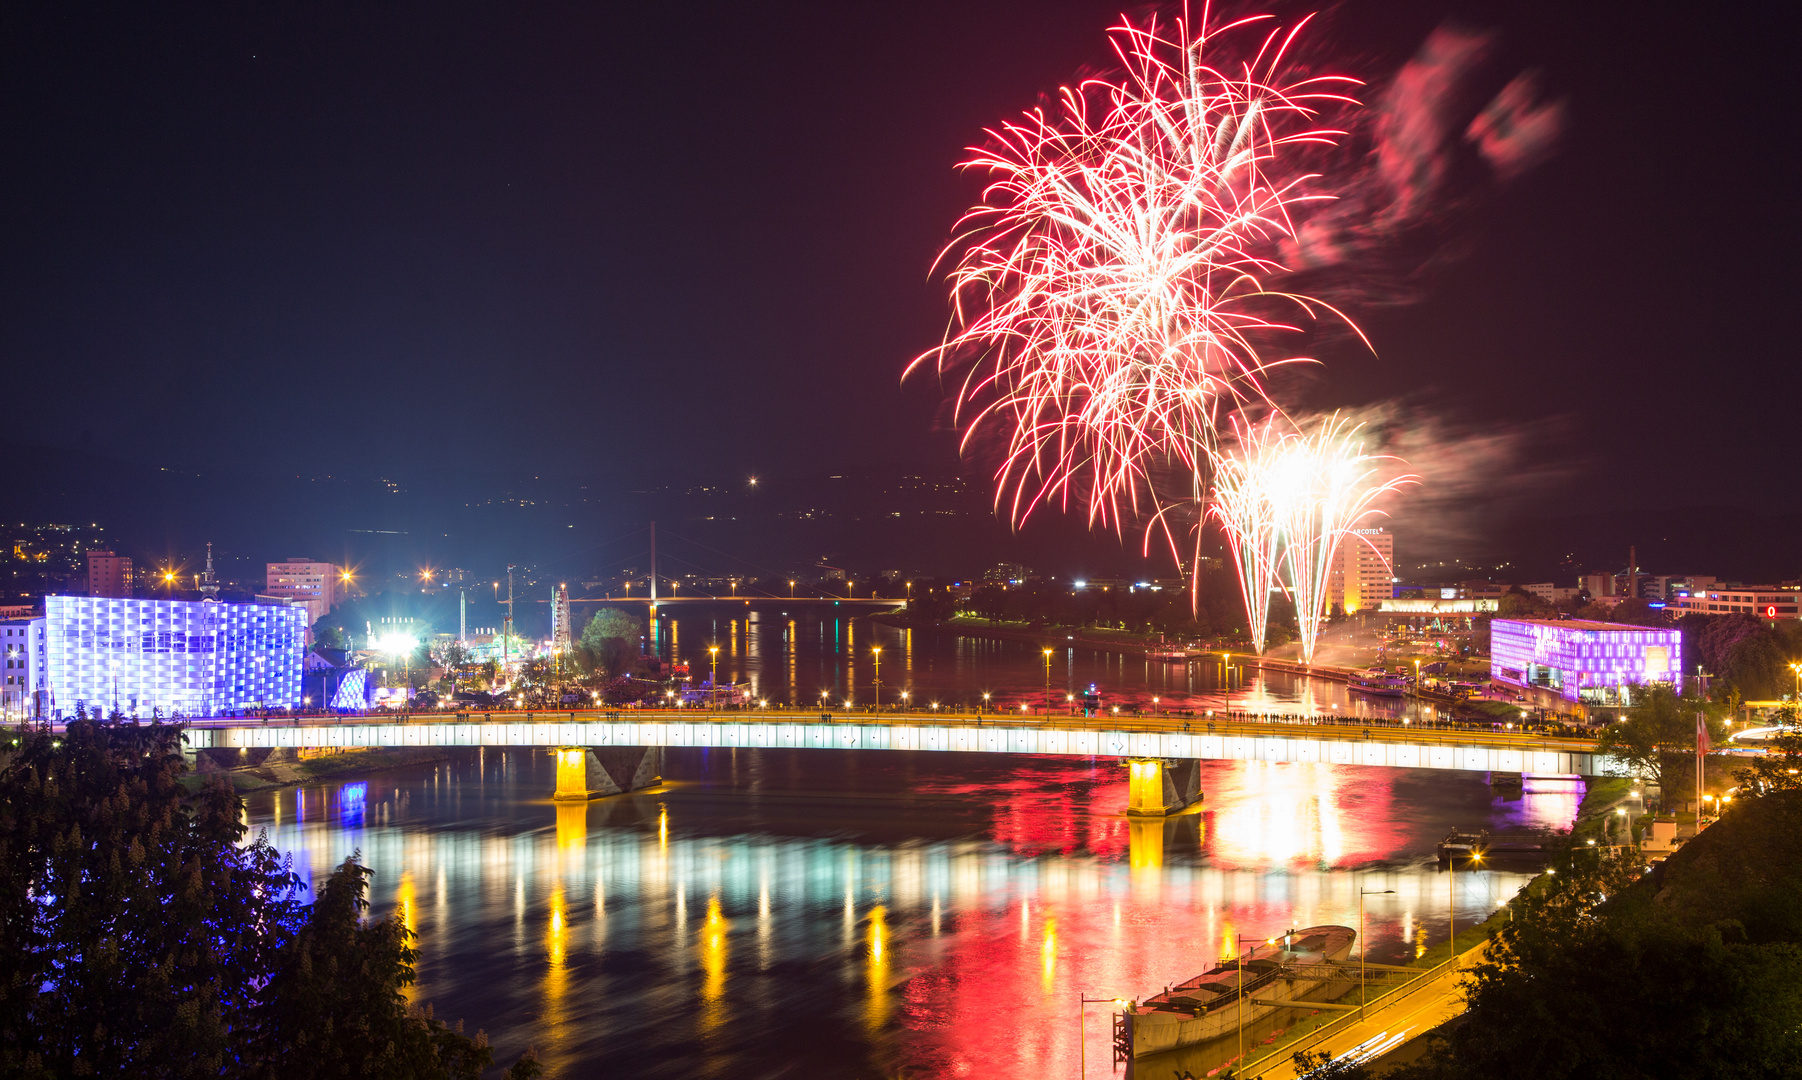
(1141, 737)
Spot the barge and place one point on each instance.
(1302, 967)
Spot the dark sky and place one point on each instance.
(382, 238)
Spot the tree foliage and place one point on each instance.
(1656, 739)
(1694, 970)
(1779, 768)
(140, 936)
(610, 643)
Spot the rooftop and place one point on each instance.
(1586, 624)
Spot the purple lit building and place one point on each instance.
(1596, 663)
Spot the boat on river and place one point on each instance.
(1173, 653)
(1379, 685)
(1303, 966)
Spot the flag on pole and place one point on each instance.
(1702, 744)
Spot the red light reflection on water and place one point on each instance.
(1273, 847)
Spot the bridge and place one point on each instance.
(760, 599)
(608, 752)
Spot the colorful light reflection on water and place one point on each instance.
(803, 913)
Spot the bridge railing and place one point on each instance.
(1235, 723)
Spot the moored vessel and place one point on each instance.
(1302, 966)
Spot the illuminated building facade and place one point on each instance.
(22, 644)
(1363, 576)
(1758, 601)
(198, 658)
(303, 581)
(1596, 663)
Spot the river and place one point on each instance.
(875, 914)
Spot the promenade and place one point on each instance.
(1386, 1024)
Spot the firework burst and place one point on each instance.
(1111, 291)
(1323, 487)
(1244, 505)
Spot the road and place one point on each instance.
(1419, 1010)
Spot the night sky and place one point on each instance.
(695, 240)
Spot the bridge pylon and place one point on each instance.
(1159, 786)
(589, 772)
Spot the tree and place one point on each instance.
(1693, 971)
(1780, 767)
(139, 936)
(328, 631)
(334, 1006)
(131, 920)
(609, 643)
(1518, 603)
(1656, 739)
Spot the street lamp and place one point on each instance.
(1364, 946)
(876, 683)
(1239, 941)
(791, 588)
(1048, 680)
(713, 672)
(1082, 1056)
(1451, 911)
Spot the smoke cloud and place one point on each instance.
(1472, 478)
(1439, 138)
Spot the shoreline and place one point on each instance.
(349, 765)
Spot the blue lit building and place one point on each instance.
(198, 658)
(1596, 663)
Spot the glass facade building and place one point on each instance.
(198, 658)
(1596, 663)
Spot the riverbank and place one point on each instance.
(347, 764)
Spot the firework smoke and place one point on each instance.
(1435, 138)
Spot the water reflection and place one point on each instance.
(867, 914)
(805, 658)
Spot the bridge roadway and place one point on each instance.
(1298, 741)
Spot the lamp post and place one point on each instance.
(1364, 946)
(1048, 681)
(1451, 912)
(713, 674)
(1226, 660)
(876, 681)
(1082, 1048)
(1239, 941)
(1797, 669)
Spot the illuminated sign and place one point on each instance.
(1438, 607)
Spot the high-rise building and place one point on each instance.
(109, 575)
(313, 585)
(1363, 576)
(22, 645)
(199, 658)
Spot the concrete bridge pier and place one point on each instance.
(586, 772)
(1159, 786)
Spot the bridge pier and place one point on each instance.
(1159, 786)
(585, 772)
